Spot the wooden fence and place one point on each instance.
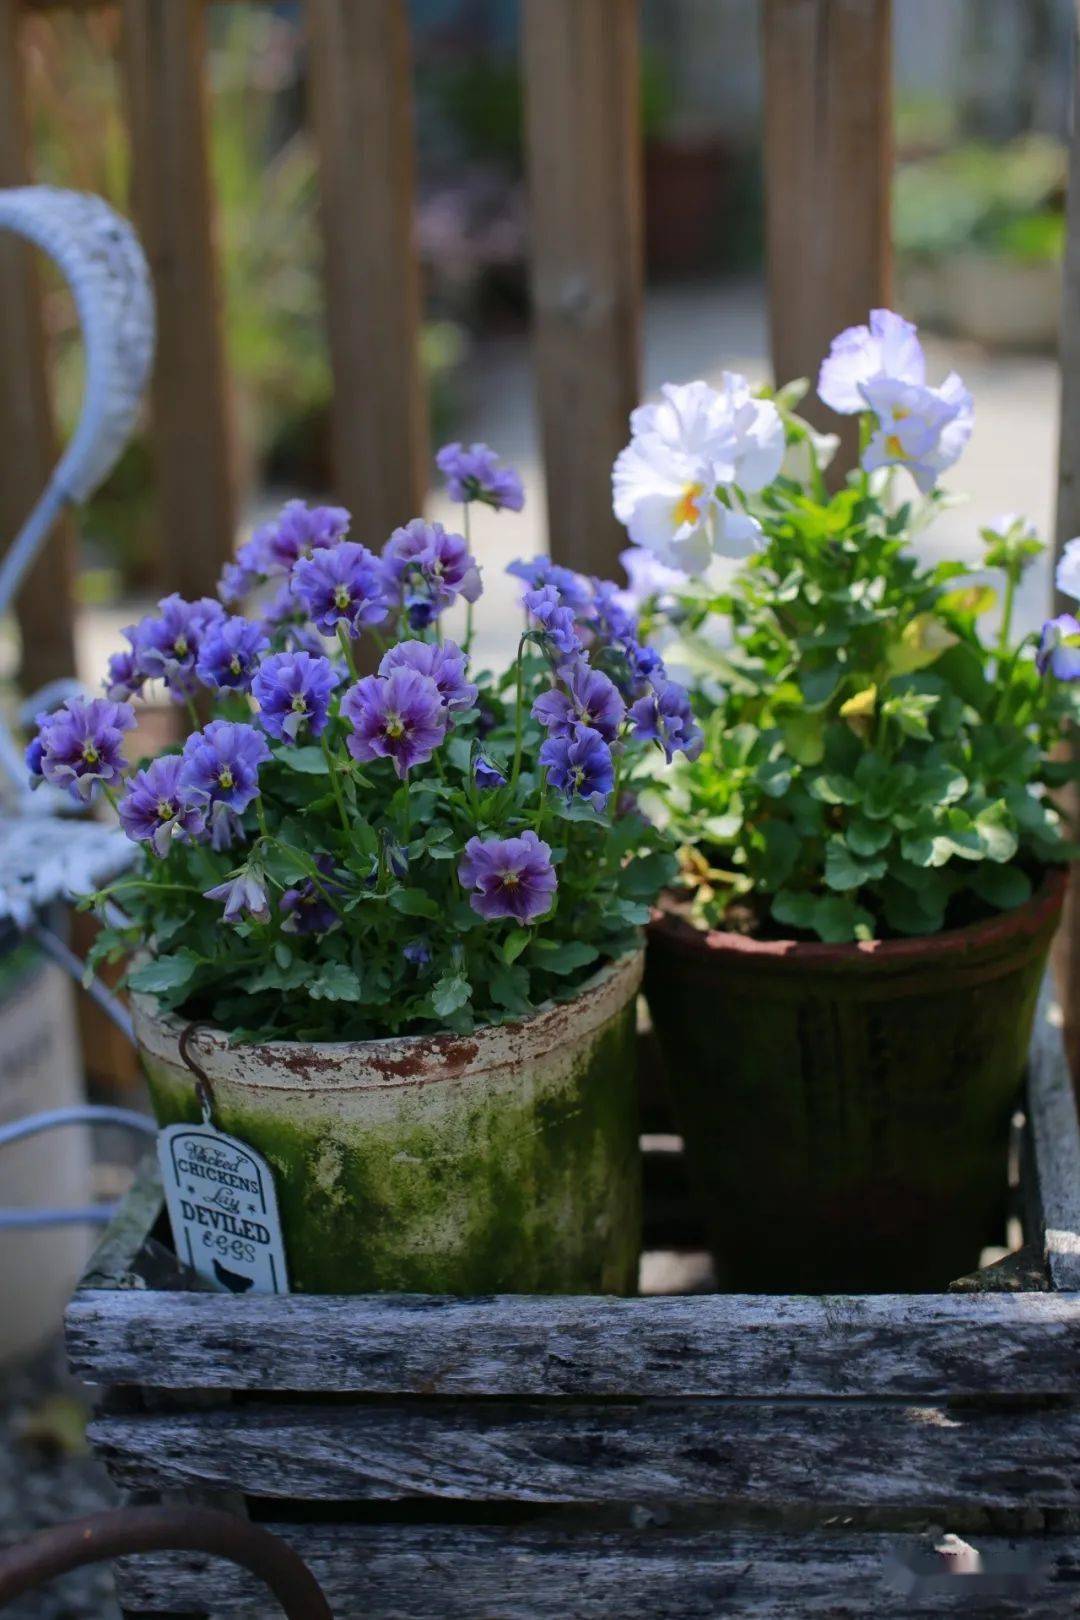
(827, 142)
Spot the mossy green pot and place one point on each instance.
(846, 1108)
(505, 1161)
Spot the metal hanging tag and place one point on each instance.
(221, 1200)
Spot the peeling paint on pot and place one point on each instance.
(505, 1161)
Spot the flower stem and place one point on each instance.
(193, 713)
(346, 647)
(519, 713)
(335, 785)
(1011, 580)
(468, 606)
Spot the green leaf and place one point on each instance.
(309, 760)
(165, 972)
(781, 851)
(1001, 886)
(449, 994)
(335, 982)
(997, 830)
(910, 912)
(866, 838)
(514, 944)
(832, 788)
(796, 910)
(774, 777)
(804, 737)
(509, 988)
(414, 903)
(844, 870)
(565, 958)
(644, 877)
(837, 918)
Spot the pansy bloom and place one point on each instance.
(487, 775)
(888, 348)
(443, 661)
(1059, 648)
(229, 654)
(244, 895)
(400, 716)
(574, 589)
(220, 774)
(509, 877)
(664, 716)
(427, 568)
(167, 643)
(591, 699)
(556, 621)
(293, 691)
(308, 908)
(342, 586)
(474, 473)
(579, 766)
(155, 808)
(298, 531)
(79, 746)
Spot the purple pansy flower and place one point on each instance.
(473, 473)
(609, 619)
(487, 774)
(400, 716)
(155, 808)
(1059, 648)
(580, 766)
(32, 758)
(124, 678)
(574, 589)
(556, 621)
(307, 908)
(221, 774)
(664, 716)
(293, 690)
(417, 951)
(509, 877)
(167, 643)
(79, 745)
(592, 700)
(244, 894)
(229, 654)
(427, 568)
(444, 662)
(344, 585)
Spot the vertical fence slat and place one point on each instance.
(1067, 948)
(828, 171)
(362, 104)
(164, 75)
(27, 434)
(583, 139)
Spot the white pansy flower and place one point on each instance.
(1067, 574)
(750, 448)
(922, 429)
(888, 347)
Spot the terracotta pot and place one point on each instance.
(500, 1162)
(846, 1107)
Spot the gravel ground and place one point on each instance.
(47, 1476)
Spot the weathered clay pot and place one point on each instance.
(846, 1107)
(504, 1161)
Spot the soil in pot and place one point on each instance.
(846, 1108)
(505, 1161)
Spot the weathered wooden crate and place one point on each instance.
(554, 1458)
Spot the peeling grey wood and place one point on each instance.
(917, 1346)
(112, 1264)
(404, 1572)
(1052, 1106)
(749, 1453)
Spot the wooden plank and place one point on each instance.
(362, 104)
(923, 1346)
(1052, 1108)
(583, 144)
(164, 79)
(828, 1454)
(415, 1572)
(828, 163)
(27, 432)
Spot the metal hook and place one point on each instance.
(204, 1089)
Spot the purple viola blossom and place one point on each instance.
(307, 909)
(417, 951)
(235, 583)
(344, 585)
(155, 809)
(473, 473)
(32, 759)
(888, 348)
(79, 745)
(509, 877)
(427, 569)
(609, 620)
(220, 774)
(556, 621)
(444, 662)
(166, 643)
(293, 690)
(244, 894)
(574, 589)
(400, 716)
(487, 774)
(664, 716)
(229, 654)
(591, 700)
(124, 679)
(1059, 648)
(580, 766)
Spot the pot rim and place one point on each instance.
(392, 1060)
(1038, 913)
